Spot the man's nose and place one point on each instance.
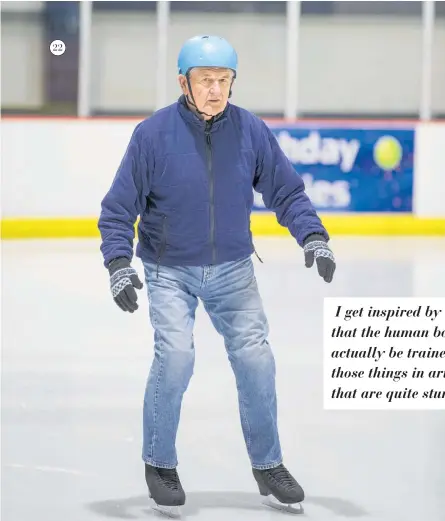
(215, 88)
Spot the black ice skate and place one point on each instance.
(279, 489)
(165, 490)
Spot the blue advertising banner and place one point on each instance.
(351, 169)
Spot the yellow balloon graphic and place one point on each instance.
(388, 153)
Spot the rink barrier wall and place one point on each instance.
(55, 172)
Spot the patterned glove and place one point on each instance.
(123, 280)
(316, 248)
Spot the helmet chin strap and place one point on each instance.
(193, 104)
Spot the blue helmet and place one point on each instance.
(207, 51)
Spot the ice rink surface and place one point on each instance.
(74, 368)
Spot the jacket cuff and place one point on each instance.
(314, 237)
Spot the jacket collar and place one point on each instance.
(191, 117)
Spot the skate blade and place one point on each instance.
(170, 512)
(272, 502)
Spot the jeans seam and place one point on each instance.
(156, 393)
(244, 415)
(155, 405)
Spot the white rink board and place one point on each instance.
(384, 353)
(62, 168)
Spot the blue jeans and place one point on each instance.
(230, 296)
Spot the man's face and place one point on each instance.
(210, 88)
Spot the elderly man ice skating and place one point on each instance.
(189, 172)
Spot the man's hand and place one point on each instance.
(316, 248)
(123, 280)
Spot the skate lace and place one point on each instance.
(282, 476)
(170, 478)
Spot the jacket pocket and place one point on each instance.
(163, 243)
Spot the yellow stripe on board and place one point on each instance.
(261, 224)
(358, 224)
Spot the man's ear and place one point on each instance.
(231, 85)
(183, 83)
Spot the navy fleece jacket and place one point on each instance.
(191, 182)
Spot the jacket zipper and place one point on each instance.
(163, 244)
(212, 190)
